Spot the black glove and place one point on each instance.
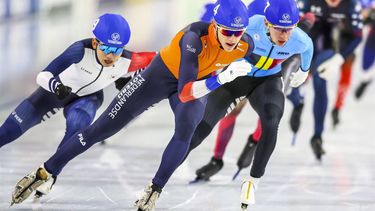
(62, 91)
(121, 82)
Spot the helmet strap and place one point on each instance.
(217, 36)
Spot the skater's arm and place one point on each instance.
(139, 62)
(195, 89)
(48, 79)
(355, 27)
(190, 48)
(307, 54)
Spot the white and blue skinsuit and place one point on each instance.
(77, 67)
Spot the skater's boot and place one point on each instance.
(295, 118)
(27, 185)
(45, 188)
(148, 199)
(361, 89)
(317, 147)
(335, 117)
(247, 153)
(248, 193)
(210, 169)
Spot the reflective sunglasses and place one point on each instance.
(109, 49)
(229, 32)
(282, 29)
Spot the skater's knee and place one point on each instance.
(78, 119)
(272, 115)
(9, 131)
(200, 134)
(26, 115)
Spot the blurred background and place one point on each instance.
(33, 32)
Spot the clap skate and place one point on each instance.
(148, 199)
(246, 156)
(27, 185)
(317, 147)
(247, 193)
(361, 89)
(295, 120)
(45, 188)
(208, 170)
(335, 117)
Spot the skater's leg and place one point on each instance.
(80, 114)
(140, 93)
(225, 130)
(187, 117)
(346, 72)
(27, 114)
(268, 101)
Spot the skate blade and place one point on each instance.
(236, 174)
(294, 139)
(198, 180)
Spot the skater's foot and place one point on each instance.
(148, 199)
(295, 118)
(210, 169)
(27, 185)
(317, 147)
(335, 117)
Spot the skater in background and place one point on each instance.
(336, 34)
(181, 73)
(369, 48)
(74, 82)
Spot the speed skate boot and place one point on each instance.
(295, 118)
(210, 169)
(247, 153)
(246, 156)
(45, 188)
(335, 117)
(361, 89)
(317, 147)
(248, 192)
(27, 185)
(148, 199)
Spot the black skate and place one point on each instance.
(335, 117)
(361, 89)
(208, 170)
(317, 147)
(246, 156)
(295, 118)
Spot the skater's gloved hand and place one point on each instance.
(330, 66)
(297, 78)
(234, 70)
(62, 91)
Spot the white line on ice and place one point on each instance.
(187, 201)
(105, 195)
(63, 193)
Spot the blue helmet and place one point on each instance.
(112, 30)
(256, 7)
(283, 13)
(231, 14)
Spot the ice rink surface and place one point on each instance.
(108, 177)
